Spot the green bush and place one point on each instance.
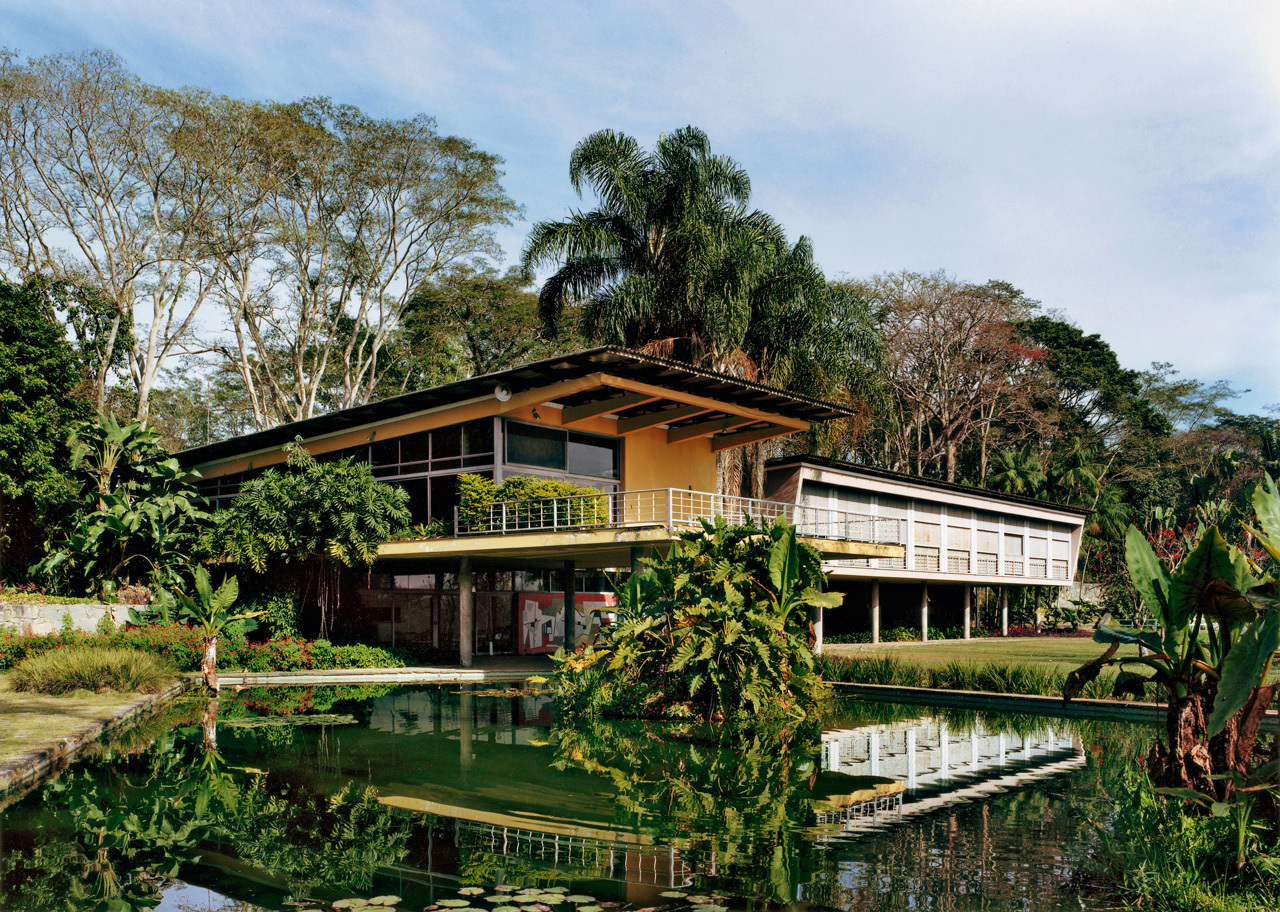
(279, 614)
(181, 645)
(537, 501)
(73, 668)
(1161, 855)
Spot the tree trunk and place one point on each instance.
(209, 662)
(209, 726)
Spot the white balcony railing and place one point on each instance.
(674, 508)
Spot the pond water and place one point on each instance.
(470, 800)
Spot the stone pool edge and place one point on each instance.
(31, 767)
(1080, 708)
(419, 675)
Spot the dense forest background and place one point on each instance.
(212, 266)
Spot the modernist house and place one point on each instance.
(644, 433)
(956, 538)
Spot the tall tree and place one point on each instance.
(373, 209)
(953, 365)
(39, 406)
(107, 179)
(482, 321)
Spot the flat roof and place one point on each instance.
(853, 468)
(620, 362)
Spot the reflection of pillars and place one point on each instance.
(875, 753)
(1003, 745)
(1004, 611)
(973, 750)
(968, 602)
(1026, 747)
(944, 738)
(570, 605)
(466, 613)
(875, 611)
(924, 612)
(911, 758)
(466, 730)
(833, 755)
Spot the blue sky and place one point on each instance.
(1118, 161)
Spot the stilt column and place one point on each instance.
(875, 611)
(1004, 611)
(924, 612)
(968, 610)
(570, 605)
(466, 613)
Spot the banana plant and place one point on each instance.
(210, 610)
(1219, 627)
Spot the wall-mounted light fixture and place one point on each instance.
(536, 416)
(502, 392)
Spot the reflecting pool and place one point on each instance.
(471, 801)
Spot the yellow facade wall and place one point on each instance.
(648, 461)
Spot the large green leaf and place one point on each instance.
(1266, 503)
(1148, 575)
(1244, 669)
(1129, 636)
(784, 560)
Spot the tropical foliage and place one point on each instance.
(306, 521)
(1219, 628)
(717, 627)
(524, 502)
(143, 514)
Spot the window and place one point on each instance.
(536, 446)
(1013, 546)
(562, 451)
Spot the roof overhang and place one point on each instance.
(639, 391)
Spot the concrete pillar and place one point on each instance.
(875, 611)
(636, 554)
(466, 729)
(1004, 611)
(815, 615)
(924, 612)
(570, 605)
(911, 758)
(968, 605)
(1039, 619)
(466, 613)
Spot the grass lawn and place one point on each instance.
(1065, 652)
(30, 722)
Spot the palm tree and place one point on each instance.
(1076, 474)
(1017, 472)
(670, 255)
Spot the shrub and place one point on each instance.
(181, 645)
(72, 668)
(537, 502)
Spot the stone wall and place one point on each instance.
(31, 620)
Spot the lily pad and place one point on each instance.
(710, 907)
(579, 898)
(506, 909)
(496, 897)
(556, 890)
(454, 903)
(532, 908)
(590, 908)
(384, 900)
(471, 891)
(506, 888)
(673, 894)
(550, 898)
(699, 900)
